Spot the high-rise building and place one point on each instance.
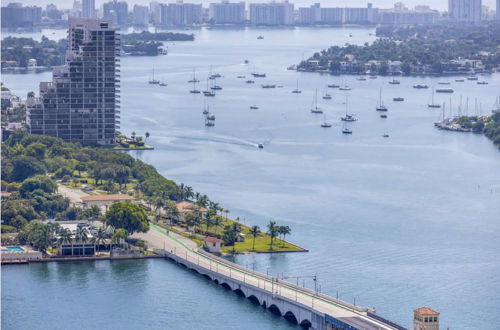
(498, 10)
(80, 103)
(17, 16)
(317, 15)
(466, 11)
(273, 13)
(52, 12)
(180, 14)
(117, 11)
(227, 13)
(155, 12)
(88, 8)
(141, 15)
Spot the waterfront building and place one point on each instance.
(336, 16)
(212, 244)
(498, 10)
(273, 13)
(401, 15)
(14, 15)
(185, 207)
(52, 12)
(425, 318)
(155, 12)
(88, 8)
(76, 247)
(117, 11)
(141, 15)
(180, 14)
(80, 103)
(465, 11)
(105, 201)
(226, 12)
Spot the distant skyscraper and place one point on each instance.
(317, 15)
(79, 105)
(88, 8)
(180, 14)
(467, 11)
(227, 13)
(117, 11)
(498, 10)
(155, 12)
(17, 16)
(273, 13)
(141, 15)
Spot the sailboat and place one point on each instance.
(394, 82)
(380, 105)
(153, 81)
(209, 119)
(297, 90)
(345, 87)
(496, 106)
(208, 92)
(315, 109)
(347, 116)
(215, 86)
(327, 96)
(194, 80)
(432, 104)
(346, 130)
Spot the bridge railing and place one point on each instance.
(287, 284)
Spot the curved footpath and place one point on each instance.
(181, 248)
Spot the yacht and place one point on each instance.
(443, 83)
(327, 96)
(472, 78)
(361, 78)
(194, 80)
(398, 99)
(259, 75)
(153, 81)
(268, 86)
(209, 123)
(482, 82)
(315, 108)
(459, 80)
(208, 93)
(444, 90)
(326, 125)
(241, 77)
(432, 104)
(254, 107)
(260, 37)
(333, 86)
(394, 82)
(347, 116)
(346, 130)
(380, 105)
(250, 81)
(297, 90)
(163, 84)
(420, 86)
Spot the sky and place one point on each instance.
(435, 4)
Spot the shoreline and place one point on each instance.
(94, 258)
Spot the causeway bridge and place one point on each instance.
(303, 306)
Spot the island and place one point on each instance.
(414, 50)
(65, 200)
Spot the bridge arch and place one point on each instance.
(254, 299)
(305, 324)
(240, 293)
(275, 310)
(216, 281)
(226, 286)
(290, 317)
(206, 276)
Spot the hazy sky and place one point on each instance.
(435, 4)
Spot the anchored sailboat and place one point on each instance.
(432, 104)
(153, 81)
(315, 108)
(347, 116)
(380, 105)
(297, 90)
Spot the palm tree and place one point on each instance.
(217, 223)
(120, 235)
(99, 237)
(188, 192)
(82, 237)
(255, 230)
(272, 230)
(66, 236)
(146, 135)
(285, 230)
(133, 135)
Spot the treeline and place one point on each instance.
(32, 163)
(489, 126)
(427, 48)
(46, 52)
(159, 36)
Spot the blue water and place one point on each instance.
(395, 223)
(13, 248)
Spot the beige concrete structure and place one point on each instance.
(425, 318)
(104, 201)
(24, 253)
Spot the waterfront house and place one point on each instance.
(185, 207)
(104, 201)
(212, 244)
(77, 247)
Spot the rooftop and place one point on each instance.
(212, 240)
(183, 207)
(109, 197)
(425, 311)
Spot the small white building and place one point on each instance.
(212, 244)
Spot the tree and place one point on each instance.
(285, 230)
(37, 182)
(128, 216)
(133, 136)
(24, 167)
(255, 230)
(81, 236)
(38, 235)
(99, 237)
(31, 94)
(66, 237)
(92, 213)
(272, 230)
(193, 219)
(80, 167)
(36, 150)
(217, 222)
(147, 136)
(230, 235)
(119, 236)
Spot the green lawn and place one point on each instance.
(262, 244)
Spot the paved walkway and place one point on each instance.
(186, 249)
(73, 194)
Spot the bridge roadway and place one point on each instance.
(303, 306)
